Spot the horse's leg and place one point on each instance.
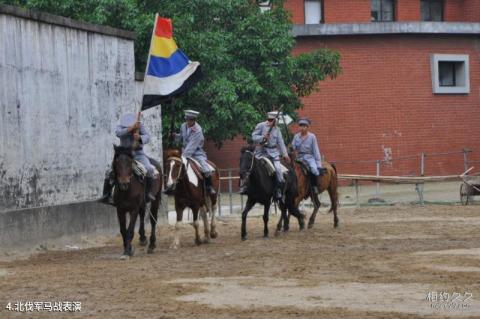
(176, 240)
(153, 223)
(121, 215)
(286, 216)
(141, 230)
(316, 207)
(213, 226)
(266, 210)
(280, 224)
(206, 227)
(196, 226)
(131, 231)
(332, 192)
(250, 203)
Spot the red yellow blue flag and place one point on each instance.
(169, 72)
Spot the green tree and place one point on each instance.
(246, 56)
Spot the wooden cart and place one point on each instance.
(470, 187)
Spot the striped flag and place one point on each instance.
(169, 72)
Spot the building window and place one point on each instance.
(264, 5)
(431, 10)
(313, 11)
(383, 10)
(450, 74)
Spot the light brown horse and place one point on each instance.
(129, 198)
(328, 182)
(190, 192)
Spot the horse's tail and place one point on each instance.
(333, 190)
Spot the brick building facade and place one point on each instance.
(410, 84)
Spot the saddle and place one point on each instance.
(268, 164)
(195, 165)
(304, 167)
(139, 171)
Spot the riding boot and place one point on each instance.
(313, 183)
(322, 171)
(279, 190)
(149, 196)
(208, 184)
(107, 197)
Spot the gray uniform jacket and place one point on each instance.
(275, 145)
(308, 151)
(192, 142)
(126, 140)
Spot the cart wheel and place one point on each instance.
(465, 191)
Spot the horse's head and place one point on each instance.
(123, 166)
(247, 159)
(173, 169)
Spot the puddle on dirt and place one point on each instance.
(248, 292)
(471, 252)
(454, 268)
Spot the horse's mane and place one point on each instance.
(173, 152)
(121, 150)
(249, 148)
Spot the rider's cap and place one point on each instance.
(304, 121)
(273, 115)
(128, 119)
(191, 114)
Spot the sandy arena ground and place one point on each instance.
(380, 263)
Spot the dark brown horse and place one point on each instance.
(189, 191)
(129, 197)
(328, 182)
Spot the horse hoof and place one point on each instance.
(266, 237)
(277, 233)
(213, 234)
(124, 257)
(143, 242)
(335, 225)
(150, 250)
(198, 242)
(206, 241)
(310, 225)
(244, 238)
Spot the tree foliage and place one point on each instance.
(246, 56)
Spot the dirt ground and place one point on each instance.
(382, 262)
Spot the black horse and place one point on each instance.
(129, 197)
(260, 188)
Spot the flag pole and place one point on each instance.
(139, 111)
(148, 59)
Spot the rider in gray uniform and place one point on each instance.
(269, 140)
(192, 138)
(306, 145)
(132, 134)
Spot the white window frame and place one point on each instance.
(320, 3)
(463, 74)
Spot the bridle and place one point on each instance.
(180, 171)
(116, 175)
(249, 171)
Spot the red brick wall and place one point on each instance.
(453, 10)
(346, 11)
(383, 99)
(358, 11)
(471, 10)
(297, 9)
(407, 10)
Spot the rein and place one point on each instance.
(178, 160)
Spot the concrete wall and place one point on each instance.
(63, 85)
